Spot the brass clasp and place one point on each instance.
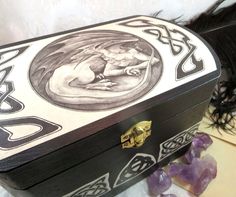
(136, 135)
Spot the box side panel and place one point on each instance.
(114, 170)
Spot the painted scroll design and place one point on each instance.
(177, 41)
(7, 141)
(136, 166)
(95, 188)
(171, 38)
(9, 104)
(175, 143)
(95, 70)
(6, 86)
(13, 105)
(6, 56)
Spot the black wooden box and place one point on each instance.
(91, 111)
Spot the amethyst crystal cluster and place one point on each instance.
(158, 182)
(200, 142)
(198, 174)
(196, 171)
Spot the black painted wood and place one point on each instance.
(113, 160)
(53, 163)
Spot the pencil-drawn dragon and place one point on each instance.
(104, 70)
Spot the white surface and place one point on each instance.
(22, 19)
(140, 190)
(137, 190)
(4, 193)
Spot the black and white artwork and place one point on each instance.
(177, 40)
(8, 103)
(90, 74)
(93, 70)
(95, 188)
(178, 141)
(17, 132)
(136, 166)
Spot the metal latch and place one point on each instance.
(136, 135)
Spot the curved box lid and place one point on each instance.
(61, 88)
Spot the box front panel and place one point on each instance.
(116, 169)
(69, 156)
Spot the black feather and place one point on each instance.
(219, 30)
(213, 21)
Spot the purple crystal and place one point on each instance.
(200, 142)
(175, 169)
(198, 174)
(158, 182)
(202, 182)
(184, 171)
(192, 153)
(168, 195)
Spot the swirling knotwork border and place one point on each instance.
(178, 141)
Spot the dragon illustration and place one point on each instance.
(104, 70)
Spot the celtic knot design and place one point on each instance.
(14, 104)
(6, 86)
(96, 188)
(137, 165)
(178, 42)
(173, 144)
